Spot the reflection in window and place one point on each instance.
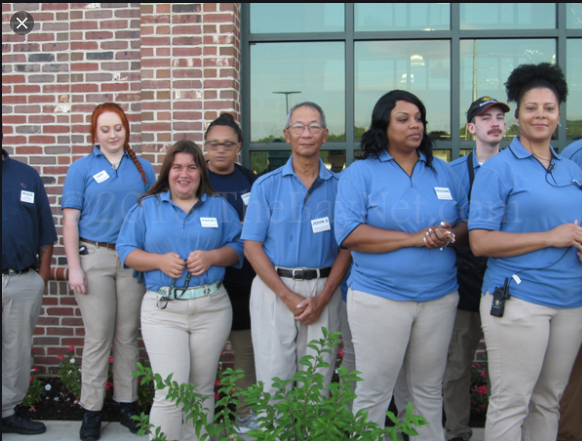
(266, 161)
(420, 67)
(574, 78)
(508, 15)
(485, 67)
(402, 16)
(285, 74)
(574, 16)
(297, 17)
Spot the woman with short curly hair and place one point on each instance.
(526, 208)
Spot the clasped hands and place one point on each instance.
(438, 237)
(198, 262)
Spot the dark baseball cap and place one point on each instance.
(482, 104)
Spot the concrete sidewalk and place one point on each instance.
(69, 431)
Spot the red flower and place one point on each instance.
(340, 353)
(60, 357)
(483, 374)
(32, 378)
(482, 390)
(216, 396)
(110, 360)
(108, 385)
(71, 348)
(217, 383)
(34, 369)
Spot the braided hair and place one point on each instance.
(532, 76)
(115, 108)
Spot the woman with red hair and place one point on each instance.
(99, 190)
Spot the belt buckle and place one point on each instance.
(295, 270)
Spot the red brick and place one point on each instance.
(209, 7)
(186, 30)
(114, 24)
(218, 18)
(155, 19)
(97, 15)
(13, 58)
(84, 88)
(127, 55)
(84, 25)
(13, 119)
(60, 331)
(26, 109)
(39, 331)
(27, 47)
(76, 67)
(109, 65)
(98, 35)
(114, 45)
(187, 51)
(125, 97)
(41, 99)
(187, 116)
(41, 36)
(29, 150)
(84, 46)
(12, 79)
(187, 41)
(73, 342)
(39, 139)
(187, 73)
(55, 47)
(57, 171)
(163, 8)
(114, 87)
(12, 38)
(54, 6)
(156, 127)
(155, 41)
(13, 99)
(156, 84)
(55, 129)
(187, 84)
(72, 321)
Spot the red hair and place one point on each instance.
(116, 108)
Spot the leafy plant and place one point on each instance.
(70, 373)
(35, 391)
(479, 390)
(302, 412)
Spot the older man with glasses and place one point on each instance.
(289, 240)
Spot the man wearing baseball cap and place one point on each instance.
(485, 120)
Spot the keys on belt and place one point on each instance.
(304, 273)
(13, 272)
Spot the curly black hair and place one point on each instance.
(226, 119)
(531, 76)
(375, 139)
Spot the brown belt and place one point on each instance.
(110, 246)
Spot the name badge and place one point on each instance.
(209, 222)
(443, 193)
(319, 225)
(101, 176)
(245, 198)
(27, 196)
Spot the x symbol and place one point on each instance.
(22, 23)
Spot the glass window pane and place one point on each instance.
(508, 15)
(285, 74)
(402, 16)
(443, 154)
(574, 78)
(297, 17)
(485, 67)
(574, 15)
(421, 67)
(264, 161)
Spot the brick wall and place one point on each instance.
(172, 67)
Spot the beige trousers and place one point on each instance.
(531, 351)
(280, 341)
(349, 360)
(110, 311)
(244, 358)
(390, 336)
(571, 405)
(467, 334)
(186, 340)
(21, 303)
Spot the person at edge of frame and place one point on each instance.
(223, 141)
(570, 428)
(99, 189)
(289, 240)
(398, 210)
(526, 205)
(28, 236)
(183, 235)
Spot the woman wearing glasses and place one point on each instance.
(398, 210)
(223, 141)
(182, 236)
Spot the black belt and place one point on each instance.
(304, 273)
(13, 272)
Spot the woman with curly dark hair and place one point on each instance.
(526, 206)
(398, 210)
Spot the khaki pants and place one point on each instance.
(391, 335)
(280, 341)
(531, 351)
(244, 358)
(110, 311)
(571, 405)
(467, 334)
(349, 360)
(185, 339)
(21, 303)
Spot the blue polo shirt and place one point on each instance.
(102, 194)
(460, 168)
(27, 220)
(378, 192)
(513, 192)
(280, 214)
(159, 226)
(574, 152)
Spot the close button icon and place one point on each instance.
(21, 23)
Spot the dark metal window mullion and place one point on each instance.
(455, 80)
(350, 80)
(561, 51)
(246, 83)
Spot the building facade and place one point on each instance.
(176, 67)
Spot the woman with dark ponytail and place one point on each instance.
(525, 216)
(398, 210)
(99, 190)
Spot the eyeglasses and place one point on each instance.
(299, 128)
(213, 145)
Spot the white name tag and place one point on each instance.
(443, 193)
(245, 198)
(101, 176)
(209, 222)
(27, 196)
(516, 278)
(319, 225)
